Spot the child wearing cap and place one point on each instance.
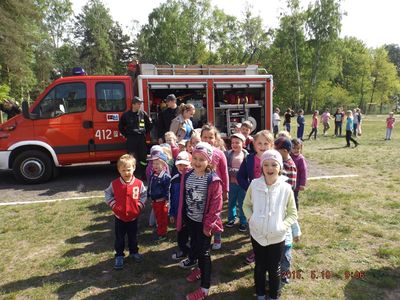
(158, 192)
(235, 157)
(270, 209)
(126, 196)
(200, 206)
(182, 164)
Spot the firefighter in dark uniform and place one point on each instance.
(134, 124)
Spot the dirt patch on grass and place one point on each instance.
(315, 169)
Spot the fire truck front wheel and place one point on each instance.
(33, 167)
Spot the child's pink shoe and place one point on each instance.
(198, 294)
(194, 275)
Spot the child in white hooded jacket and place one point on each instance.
(270, 208)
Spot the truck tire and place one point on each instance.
(32, 167)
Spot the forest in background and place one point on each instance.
(313, 67)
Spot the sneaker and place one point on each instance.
(216, 246)
(119, 262)
(188, 263)
(230, 223)
(198, 294)
(285, 280)
(243, 228)
(137, 257)
(194, 275)
(178, 255)
(250, 258)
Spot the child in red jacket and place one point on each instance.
(126, 196)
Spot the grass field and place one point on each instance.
(350, 248)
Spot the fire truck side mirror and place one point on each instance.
(25, 111)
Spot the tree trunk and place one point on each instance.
(296, 61)
(314, 77)
(361, 104)
(373, 92)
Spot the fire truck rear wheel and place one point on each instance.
(33, 166)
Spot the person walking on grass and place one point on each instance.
(349, 129)
(390, 121)
(325, 117)
(314, 125)
(126, 196)
(270, 209)
(199, 209)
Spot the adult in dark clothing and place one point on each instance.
(133, 125)
(10, 108)
(166, 116)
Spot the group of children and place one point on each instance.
(259, 177)
(353, 123)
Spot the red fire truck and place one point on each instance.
(75, 120)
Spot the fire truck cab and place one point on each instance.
(75, 120)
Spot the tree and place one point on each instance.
(56, 15)
(385, 82)
(323, 28)
(19, 27)
(255, 38)
(287, 56)
(122, 49)
(92, 29)
(175, 33)
(225, 45)
(355, 70)
(394, 55)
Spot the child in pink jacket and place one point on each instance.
(210, 135)
(199, 209)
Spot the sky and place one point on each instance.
(370, 21)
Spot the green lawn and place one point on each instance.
(350, 227)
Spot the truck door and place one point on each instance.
(64, 121)
(110, 104)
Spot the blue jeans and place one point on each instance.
(236, 198)
(286, 258)
(388, 133)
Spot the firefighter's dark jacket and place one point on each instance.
(134, 123)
